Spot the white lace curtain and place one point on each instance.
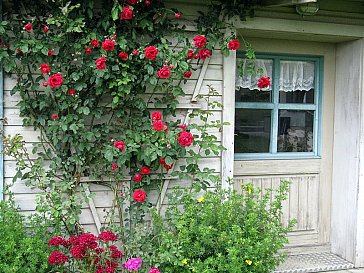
(294, 75)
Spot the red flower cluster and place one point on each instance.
(108, 45)
(264, 82)
(100, 63)
(151, 52)
(119, 145)
(199, 41)
(203, 54)
(164, 72)
(88, 249)
(156, 115)
(55, 80)
(185, 139)
(126, 14)
(234, 44)
(45, 68)
(139, 196)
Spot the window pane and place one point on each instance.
(252, 131)
(246, 85)
(295, 131)
(296, 82)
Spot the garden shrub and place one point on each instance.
(23, 242)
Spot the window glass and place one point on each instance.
(252, 131)
(296, 82)
(295, 131)
(246, 84)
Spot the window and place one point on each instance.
(282, 121)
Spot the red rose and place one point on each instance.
(132, 2)
(139, 195)
(94, 43)
(164, 72)
(156, 115)
(45, 84)
(45, 68)
(177, 15)
(203, 54)
(135, 52)
(88, 50)
(114, 37)
(234, 44)
(100, 63)
(57, 257)
(200, 41)
(28, 27)
(183, 127)
(145, 170)
(147, 2)
(166, 166)
(108, 45)
(119, 145)
(114, 167)
(264, 82)
(19, 50)
(151, 52)
(189, 54)
(55, 80)
(71, 92)
(158, 125)
(54, 116)
(45, 29)
(126, 14)
(123, 56)
(188, 74)
(50, 52)
(185, 139)
(138, 178)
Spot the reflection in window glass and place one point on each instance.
(248, 74)
(252, 130)
(295, 131)
(297, 96)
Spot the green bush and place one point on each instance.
(23, 244)
(223, 231)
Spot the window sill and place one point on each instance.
(278, 156)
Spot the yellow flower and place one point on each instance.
(249, 189)
(184, 261)
(248, 262)
(201, 199)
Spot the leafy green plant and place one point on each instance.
(23, 241)
(222, 231)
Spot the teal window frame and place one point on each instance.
(275, 106)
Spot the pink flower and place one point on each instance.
(158, 125)
(28, 27)
(203, 54)
(139, 196)
(234, 44)
(145, 170)
(71, 92)
(187, 74)
(57, 257)
(264, 82)
(45, 29)
(55, 80)
(45, 68)
(185, 139)
(156, 115)
(164, 73)
(154, 270)
(133, 264)
(126, 14)
(100, 63)
(199, 41)
(138, 178)
(108, 45)
(114, 167)
(151, 52)
(88, 50)
(119, 145)
(123, 56)
(107, 235)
